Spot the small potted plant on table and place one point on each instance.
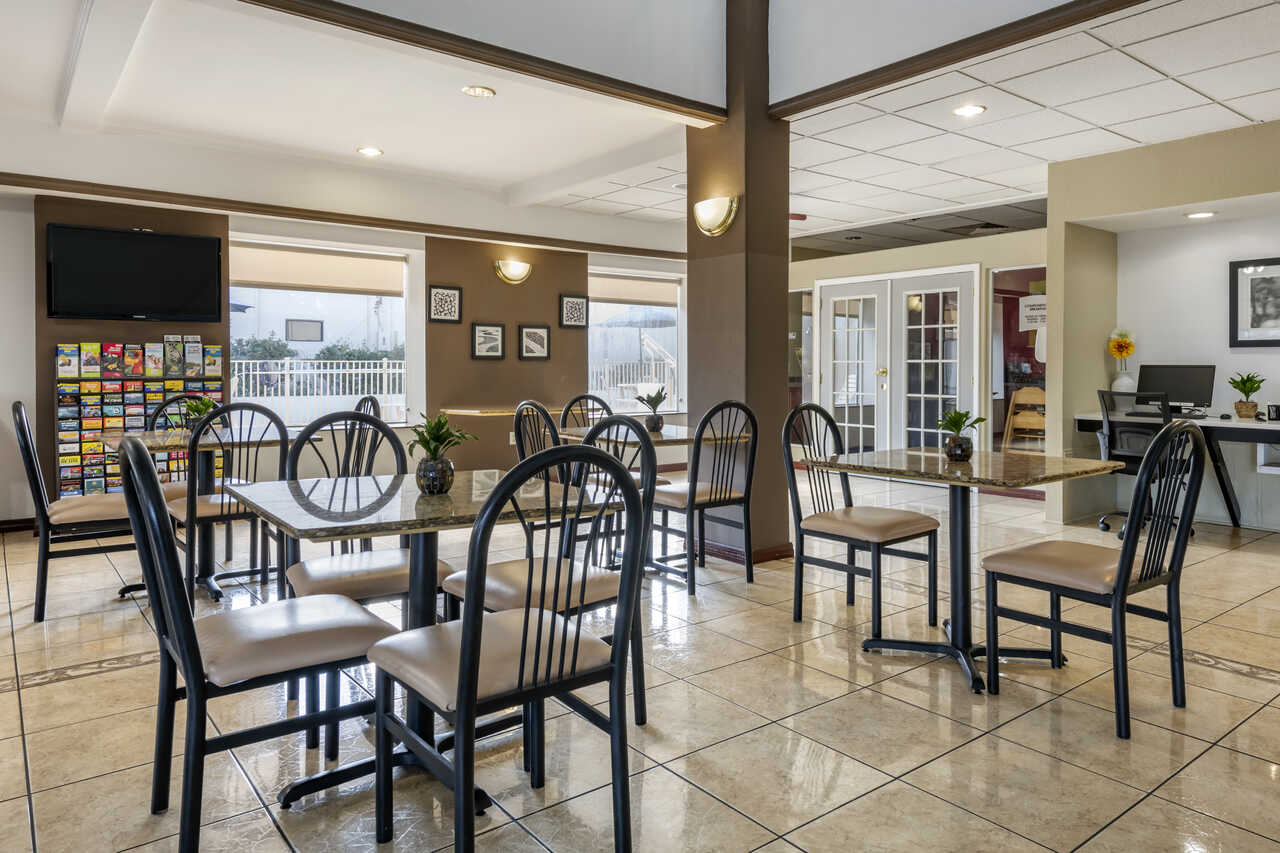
(653, 422)
(959, 447)
(198, 407)
(436, 438)
(1247, 384)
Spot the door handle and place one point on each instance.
(884, 371)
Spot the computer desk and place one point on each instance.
(1216, 430)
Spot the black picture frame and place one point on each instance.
(586, 310)
(431, 291)
(546, 353)
(1234, 272)
(502, 342)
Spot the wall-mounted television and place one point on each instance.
(114, 274)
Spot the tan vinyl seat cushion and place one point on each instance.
(206, 506)
(505, 585)
(1076, 565)
(237, 645)
(86, 508)
(635, 475)
(870, 523)
(426, 659)
(360, 574)
(676, 495)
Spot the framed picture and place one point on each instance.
(1255, 302)
(489, 340)
(535, 342)
(573, 311)
(444, 304)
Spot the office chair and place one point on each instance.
(1125, 440)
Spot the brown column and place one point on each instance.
(737, 292)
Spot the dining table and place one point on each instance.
(992, 469)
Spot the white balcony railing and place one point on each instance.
(300, 390)
(618, 382)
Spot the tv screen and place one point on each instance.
(109, 274)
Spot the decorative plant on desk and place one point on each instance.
(653, 422)
(1120, 345)
(198, 407)
(1247, 384)
(959, 447)
(436, 438)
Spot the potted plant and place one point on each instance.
(1247, 384)
(1120, 345)
(436, 438)
(959, 447)
(653, 422)
(198, 407)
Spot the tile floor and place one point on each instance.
(763, 734)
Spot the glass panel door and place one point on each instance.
(854, 355)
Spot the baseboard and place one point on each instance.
(670, 467)
(758, 555)
(16, 525)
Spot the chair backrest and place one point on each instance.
(1125, 439)
(1030, 395)
(369, 405)
(534, 428)
(30, 462)
(246, 436)
(583, 411)
(723, 458)
(811, 429)
(344, 444)
(548, 648)
(1165, 495)
(625, 439)
(172, 414)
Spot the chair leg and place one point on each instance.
(875, 590)
(1176, 669)
(382, 759)
(537, 743)
(333, 680)
(690, 551)
(192, 533)
(746, 543)
(1055, 633)
(993, 641)
(42, 573)
(637, 673)
(464, 792)
(192, 773)
(702, 539)
(850, 579)
(226, 542)
(163, 757)
(619, 765)
(666, 523)
(313, 705)
(797, 606)
(253, 542)
(265, 542)
(933, 578)
(1120, 665)
(452, 607)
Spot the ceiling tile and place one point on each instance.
(999, 104)
(831, 119)
(675, 162)
(907, 179)
(1141, 101)
(901, 231)
(1039, 205)
(678, 204)
(594, 188)
(814, 223)
(810, 152)
(943, 221)
(1013, 217)
(1192, 122)
(862, 166)
(1035, 174)
(637, 195)
(960, 189)
(595, 205)
(1035, 58)
(1241, 36)
(640, 175)
(667, 183)
(1027, 128)
(848, 191)
(978, 165)
(877, 133)
(561, 200)
(948, 146)
(1264, 106)
(919, 93)
(904, 202)
(1000, 195)
(1082, 78)
(802, 181)
(1082, 144)
(1259, 74)
(1166, 19)
(820, 207)
(653, 214)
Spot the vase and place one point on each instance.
(1125, 381)
(1246, 411)
(653, 422)
(959, 448)
(434, 476)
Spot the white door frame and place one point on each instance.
(975, 271)
(988, 299)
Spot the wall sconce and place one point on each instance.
(512, 272)
(713, 216)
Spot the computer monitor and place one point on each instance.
(1183, 384)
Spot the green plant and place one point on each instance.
(1247, 384)
(436, 437)
(956, 422)
(654, 400)
(198, 407)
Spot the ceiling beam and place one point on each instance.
(104, 39)
(667, 144)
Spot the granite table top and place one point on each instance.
(990, 468)
(669, 435)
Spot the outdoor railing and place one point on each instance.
(618, 382)
(300, 390)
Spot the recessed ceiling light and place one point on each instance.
(369, 150)
(478, 91)
(970, 110)
(1200, 214)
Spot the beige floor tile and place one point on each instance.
(683, 718)
(1033, 635)
(777, 777)
(768, 628)
(1230, 786)
(76, 654)
(112, 811)
(10, 717)
(1256, 615)
(1046, 800)
(1038, 673)
(886, 733)
(30, 636)
(1259, 735)
(829, 606)
(667, 813)
(1208, 714)
(942, 688)
(15, 826)
(253, 832)
(1195, 608)
(511, 838)
(74, 700)
(900, 817)
(1236, 576)
(1084, 735)
(597, 693)
(1155, 824)
(772, 685)
(1234, 645)
(778, 845)
(710, 602)
(840, 654)
(273, 764)
(1205, 670)
(97, 746)
(13, 769)
(693, 649)
(768, 588)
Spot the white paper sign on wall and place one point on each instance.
(1033, 312)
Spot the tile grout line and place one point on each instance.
(22, 728)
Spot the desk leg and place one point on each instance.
(1224, 477)
(205, 561)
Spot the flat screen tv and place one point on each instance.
(110, 274)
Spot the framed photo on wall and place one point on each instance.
(573, 311)
(1255, 302)
(535, 342)
(444, 304)
(489, 340)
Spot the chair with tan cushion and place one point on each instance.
(811, 433)
(233, 651)
(362, 575)
(1150, 555)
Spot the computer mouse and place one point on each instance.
(1225, 417)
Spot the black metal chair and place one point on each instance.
(722, 465)
(69, 519)
(232, 651)
(1127, 441)
(534, 428)
(1168, 482)
(369, 405)
(583, 411)
(487, 662)
(874, 529)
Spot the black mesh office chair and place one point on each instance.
(1125, 440)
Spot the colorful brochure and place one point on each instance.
(173, 355)
(133, 360)
(213, 360)
(68, 360)
(113, 361)
(90, 359)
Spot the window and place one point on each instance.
(633, 341)
(304, 330)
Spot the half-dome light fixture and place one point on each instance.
(713, 216)
(512, 272)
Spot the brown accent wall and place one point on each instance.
(454, 379)
(49, 332)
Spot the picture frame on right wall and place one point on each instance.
(1254, 296)
(574, 308)
(488, 341)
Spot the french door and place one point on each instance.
(855, 352)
